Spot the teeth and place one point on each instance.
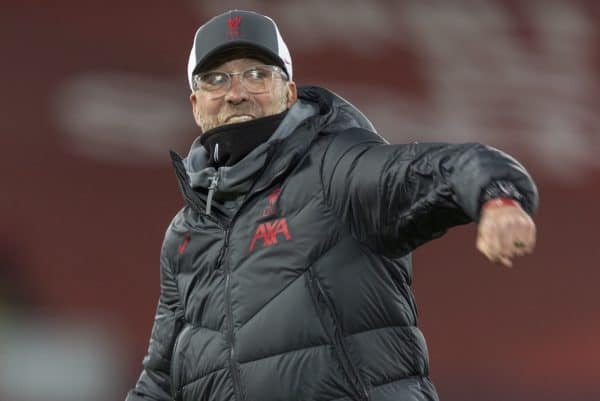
(239, 119)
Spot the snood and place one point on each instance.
(229, 143)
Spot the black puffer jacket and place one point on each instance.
(303, 292)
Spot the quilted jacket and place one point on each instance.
(300, 291)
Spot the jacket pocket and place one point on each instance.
(333, 328)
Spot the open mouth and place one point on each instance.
(239, 118)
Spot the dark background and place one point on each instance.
(95, 93)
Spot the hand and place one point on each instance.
(504, 232)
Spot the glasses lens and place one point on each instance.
(258, 79)
(213, 81)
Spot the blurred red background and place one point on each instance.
(95, 93)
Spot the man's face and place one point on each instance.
(238, 105)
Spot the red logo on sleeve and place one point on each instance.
(184, 244)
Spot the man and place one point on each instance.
(287, 274)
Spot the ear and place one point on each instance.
(195, 108)
(292, 93)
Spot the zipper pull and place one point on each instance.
(214, 181)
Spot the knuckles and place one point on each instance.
(498, 230)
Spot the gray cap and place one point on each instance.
(237, 29)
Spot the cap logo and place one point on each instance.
(234, 26)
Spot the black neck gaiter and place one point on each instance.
(229, 143)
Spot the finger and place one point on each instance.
(526, 233)
(490, 248)
(486, 244)
(510, 233)
(483, 247)
(531, 237)
(520, 247)
(494, 241)
(524, 237)
(506, 261)
(521, 234)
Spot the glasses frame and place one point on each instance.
(274, 69)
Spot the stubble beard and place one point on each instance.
(247, 107)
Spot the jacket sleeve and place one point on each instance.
(154, 381)
(397, 197)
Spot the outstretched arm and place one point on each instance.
(396, 197)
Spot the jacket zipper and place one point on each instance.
(349, 368)
(214, 182)
(237, 388)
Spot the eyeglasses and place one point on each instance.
(257, 79)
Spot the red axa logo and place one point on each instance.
(269, 231)
(234, 26)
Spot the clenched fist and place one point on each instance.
(505, 230)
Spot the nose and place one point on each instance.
(236, 93)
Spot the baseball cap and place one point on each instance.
(250, 33)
